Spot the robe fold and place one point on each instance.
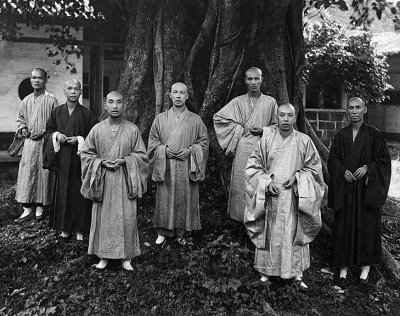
(177, 199)
(34, 184)
(357, 225)
(232, 125)
(281, 226)
(113, 231)
(70, 210)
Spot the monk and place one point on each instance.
(284, 191)
(66, 129)
(359, 176)
(34, 184)
(178, 149)
(114, 176)
(238, 127)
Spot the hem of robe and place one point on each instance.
(34, 202)
(279, 273)
(113, 256)
(190, 229)
(234, 217)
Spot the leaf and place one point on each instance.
(51, 310)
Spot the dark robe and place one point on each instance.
(70, 211)
(357, 227)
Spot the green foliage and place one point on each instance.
(336, 54)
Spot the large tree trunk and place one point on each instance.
(209, 45)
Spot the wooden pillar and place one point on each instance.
(96, 77)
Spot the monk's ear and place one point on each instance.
(365, 109)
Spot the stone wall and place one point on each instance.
(327, 122)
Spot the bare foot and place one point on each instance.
(79, 236)
(102, 264)
(126, 264)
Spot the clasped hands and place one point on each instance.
(255, 130)
(289, 183)
(113, 165)
(357, 175)
(69, 140)
(179, 155)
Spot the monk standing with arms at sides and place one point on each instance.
(238, 127)
(114, 174)
(359, 168)
(66, 129)
(34, 184)
(178, 150)
(284, 192)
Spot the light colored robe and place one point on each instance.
(113, 231)
(282, 226)
(177, 199)
(232, 125)
(34, 184)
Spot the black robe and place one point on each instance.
(357, 227)
(70, 211)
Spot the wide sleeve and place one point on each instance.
(199, 154)
(137, 167)
(22, 115)
(257, 180)
(310, 188)
(379, 173)
(228, 127)
(274, 116)
(92, 172)
(156, 152)
(336, 171)
(49, 154)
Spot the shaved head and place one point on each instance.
(73, 82)
(42, 71)
(356, 100)
(287, 106)
(114, 95)
(253, 70)
(179, 85)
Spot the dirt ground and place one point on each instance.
(41, 275)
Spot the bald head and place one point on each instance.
(114, 95)
(41, 71)
(356, 110)
(114, 104)
(253, 80)
(73, 82)
(73, 91)
(179, 94)
(253, 70)
(356, 100)
(286, 117)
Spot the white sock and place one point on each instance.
(160, 239)
(126, 264)
(65, 234)
(39, 211)
(27, 211)
(79, 236)
(364, 272)
(102, 264)
(343, 272)
(264, 278)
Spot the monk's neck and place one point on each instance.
(71, 105)
(286, 134)
(38, 92)
(357, 125)
(178, 110)
(114, 120)
(254, 95)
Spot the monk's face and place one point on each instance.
(38, 79)
(114, 104)
(356, 110)
(253, 80)
(286, 117)
(72, 90)
(179, 94)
